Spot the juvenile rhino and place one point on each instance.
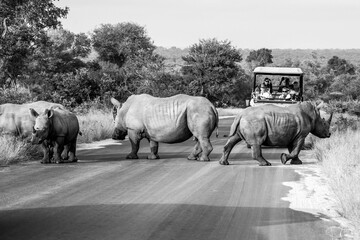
(272, 125)
(168, 120)
(15, 118)
(57, 128)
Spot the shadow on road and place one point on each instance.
(157, 221)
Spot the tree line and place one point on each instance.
(54, 64)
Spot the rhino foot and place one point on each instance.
(153, 157)
(204, 159)
(45, 161)
(73, 160)
(59, 161)
(265, 163)
(191, 157)
(283, 158)
(225, 162)
(296, 161)
(132, 156)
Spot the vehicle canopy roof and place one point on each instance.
(278, 71)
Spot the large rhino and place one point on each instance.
(15, 118)
(58, 128)
(168, 120)
(272, 125)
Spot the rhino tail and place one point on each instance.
(217, 120)
(234, 126)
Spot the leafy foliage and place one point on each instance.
(212, 65)
(260, 57)
(24, 26)
(340, 66)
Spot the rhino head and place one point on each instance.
(120, 130)
(42, 127)
(322, 126)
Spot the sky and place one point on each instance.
(252, 24)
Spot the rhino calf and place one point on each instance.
(168, 120)
(271, 125)
(55, 129)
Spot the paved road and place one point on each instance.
(106, 197)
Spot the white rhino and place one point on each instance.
(271, 125)
(15, 118)
(168, 120)
(56, 128)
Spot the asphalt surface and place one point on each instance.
(104, 196)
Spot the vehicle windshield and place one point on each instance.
(277, 87)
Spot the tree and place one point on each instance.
(24, 29)
(340, 66)
(213, 65)
(121, 42)
(128, 46)
(62, 53)
(260, 57)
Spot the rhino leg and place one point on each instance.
(197, 150)
(154, 147)
(294, 151)
(232, 141)
(46, 149)
(257, 155)
(135, 144)
(72, 151)
(206, 148)
(65, 153)
(58, 149)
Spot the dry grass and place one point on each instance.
(95, 125)
(339, 156)
(14, 149)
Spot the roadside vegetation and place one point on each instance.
(339, 158)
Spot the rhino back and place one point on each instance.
(65, 124)
(165, 119)
(15, 118)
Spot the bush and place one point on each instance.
(17, 95)
(95, 125)
(14, 149)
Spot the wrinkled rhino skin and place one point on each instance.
(56, 129)
(167, 120)
(15, 118)
(271, 125)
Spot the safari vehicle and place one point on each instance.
(276, 85)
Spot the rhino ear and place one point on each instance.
(320, 105)
(50, 113)
(115, 102)
(33, 112)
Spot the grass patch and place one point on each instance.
(339, 156)
(14, 149)
(95, 125)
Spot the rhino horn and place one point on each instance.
(331, 115)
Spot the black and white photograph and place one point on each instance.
(179, 120)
